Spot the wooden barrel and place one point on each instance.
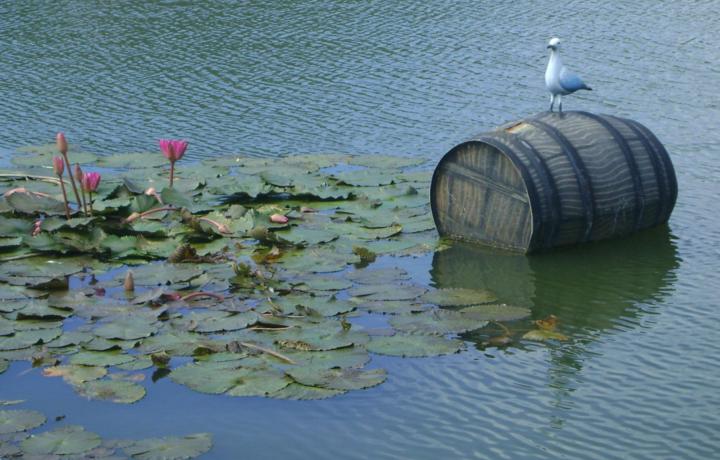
(554, 179)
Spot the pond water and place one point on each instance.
(637, 377)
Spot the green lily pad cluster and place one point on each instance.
(74, 442)
(260, 271)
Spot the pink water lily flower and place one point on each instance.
(173, 150)
(90, 181)
(58, 166)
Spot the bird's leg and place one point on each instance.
(552, 101)
(560, 103)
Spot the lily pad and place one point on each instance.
(75, 374)
(436, 322)
(542, 335)
(126, 329)
(170, 448)
(3, 365)
(338, 379)
(496, 312)
(67, 440)
(24, 339)
(33, 203)
(371, 292)
(100, 358)
(132, 160)
(12, 421)
(378, 275)
(459, 297)
(371, 177)
(117, 391)
(414, 345)
(296, 391)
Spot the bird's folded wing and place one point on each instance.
(570, 81)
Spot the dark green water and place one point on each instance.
(638, 377)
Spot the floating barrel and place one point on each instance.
(554, 179)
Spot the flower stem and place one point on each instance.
(84, 202)
(172, 172)
(72, 180)
(90, 202)
(67, 206)
(135, 216)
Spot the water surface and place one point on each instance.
(638, 377)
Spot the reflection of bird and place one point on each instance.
(558, 79)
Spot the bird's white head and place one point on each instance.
(554, 43)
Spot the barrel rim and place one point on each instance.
(481, 139)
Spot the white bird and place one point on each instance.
(558, 79)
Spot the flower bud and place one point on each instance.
(62, 144)
(58, 166)
(78, 173)
(279, 219)
(129, 283)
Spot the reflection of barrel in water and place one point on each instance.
(588, 287)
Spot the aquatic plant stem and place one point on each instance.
(52, 180)
(65, 200)
(72, 180)
(90, 201)
(172, 172)
(84, 203)
(135, 216)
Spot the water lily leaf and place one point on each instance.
(338, 379)
(52, 224)
(385, 161)
(12, 421)
(43, 155)
(7, 327)
(162, 274)
(3, 365)
(24, 339)
(321, 283)
(373, 292)
(138, 160)
(342, 357)
(75, 374)
(391, 307)
(378, 276)
(37, 309)
(541, 335)
(170, 448)
(204, 378)
(175, 343)
(128, 328)
(296, 391)
(496, 312)
(34, 203)
(67, 440)
(318, 260)
(436, 322)
(218, 321)
(323, 306)
(71, 338)
(303, 236)
(117, 391)
(100, 358)
(258, 382)
(370, 177)
(459, 297)
(10, 242)
(413, 345)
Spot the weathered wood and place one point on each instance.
(554, 179)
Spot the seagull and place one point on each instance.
(558, 79)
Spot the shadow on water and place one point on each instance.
(589, 287)
(592, 289)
